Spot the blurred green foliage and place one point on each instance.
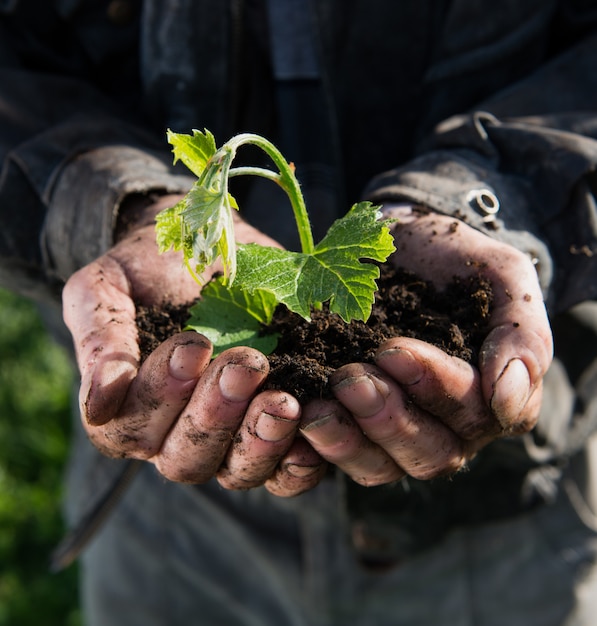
(35, 389)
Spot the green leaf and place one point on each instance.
(229, 316)
(193, 150)
(201, 225)
(207, 219)
(335, 272)
(169, 229)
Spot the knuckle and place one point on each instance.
(471, 428)
(121, 442)
(428, 470)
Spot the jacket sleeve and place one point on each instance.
(522, 168)
(69, 155)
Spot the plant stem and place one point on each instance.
(286, 179)
(249, 170)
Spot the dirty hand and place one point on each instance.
(192, 418)
(418, 411)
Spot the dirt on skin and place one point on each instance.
(454, 320)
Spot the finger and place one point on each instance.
(444, 386)
(265, 435)
(101, 318)
(199, 440)
(155, 398)
(301, 469)
(333, 433)
(519, 348)
(417, 441)
(513, 360)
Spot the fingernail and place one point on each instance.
(363, 395)
(511, 392)
(103, 390)
(273, 428)
(404, 367)
(238, 382)
(301, 471)
(187, 361)
(315, 430)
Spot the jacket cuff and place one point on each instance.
(451, 183)
(86, 199)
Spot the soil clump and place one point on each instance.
(454, 320)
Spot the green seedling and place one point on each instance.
(235, 307)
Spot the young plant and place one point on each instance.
(234, 307)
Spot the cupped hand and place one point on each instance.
(419, 411)
(192, 417)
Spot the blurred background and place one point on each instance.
(35, 388)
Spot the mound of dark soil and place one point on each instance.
(454, 320)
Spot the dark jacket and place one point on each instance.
(431, 101)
